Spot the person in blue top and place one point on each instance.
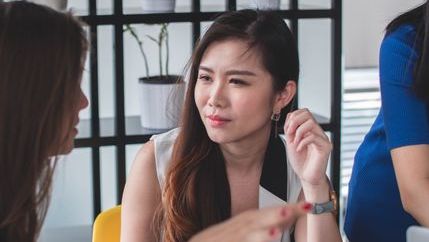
(389, 187)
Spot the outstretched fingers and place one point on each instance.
(269, 223)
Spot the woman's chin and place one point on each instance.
(219, 137)
(66, 149)
(68, 146)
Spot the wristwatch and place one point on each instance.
(327, 207)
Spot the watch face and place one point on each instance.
(327, 207)
(321, 209)
(330, 206)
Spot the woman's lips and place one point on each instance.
(76, 123)
(217, 121)
(74, 132)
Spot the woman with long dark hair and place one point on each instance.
(226, 158)
(389, 187)
(42, 53)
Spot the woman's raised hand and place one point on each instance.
(308, 147)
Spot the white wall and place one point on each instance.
(314, 42)
(364, 22)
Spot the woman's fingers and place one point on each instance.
(301, 125)
(304, 128)
(299, 118)
(308, 133)
(264, 235)
(319, 141)
(269, 223)
(262, 225)
(294, 119)
(277, 216)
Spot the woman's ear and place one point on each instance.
(285, 96)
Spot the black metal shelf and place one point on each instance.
(154, 18)
(107, 130)
(121, 130)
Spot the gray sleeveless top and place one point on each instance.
(276, 169)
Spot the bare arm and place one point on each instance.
(308, 150)
(141, 196)
(411, 164)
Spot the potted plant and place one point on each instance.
(161, 96)
(158, 6)
(267, 4)
(59, 5)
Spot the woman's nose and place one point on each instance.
(217, 96)
(83, 101)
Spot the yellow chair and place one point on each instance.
(107, 226)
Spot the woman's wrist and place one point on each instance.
(316, 193)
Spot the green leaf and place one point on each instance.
(152, 38)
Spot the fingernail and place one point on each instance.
(307, 206)
(284, 212)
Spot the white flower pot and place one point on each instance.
(158, 6)
(267, 4)
(59, 5)
(160, 104)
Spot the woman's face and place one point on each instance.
(233, 93)
(82, 103)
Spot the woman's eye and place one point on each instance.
(204, 78)
(238, 82)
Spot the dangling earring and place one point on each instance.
(275, 117)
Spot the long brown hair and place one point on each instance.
(196, 193)
(41, 59)
(419, 17)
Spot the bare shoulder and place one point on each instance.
(147, 147)
(146, 153)
(142, 195)
(143, 168)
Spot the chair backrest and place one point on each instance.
(107, 226)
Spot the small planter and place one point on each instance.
(59, 5)
(161, 100)
(158, 6)
(267, 4)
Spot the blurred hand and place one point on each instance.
(308, 147)
(262, 225)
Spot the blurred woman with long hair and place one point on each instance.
(42, 54)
